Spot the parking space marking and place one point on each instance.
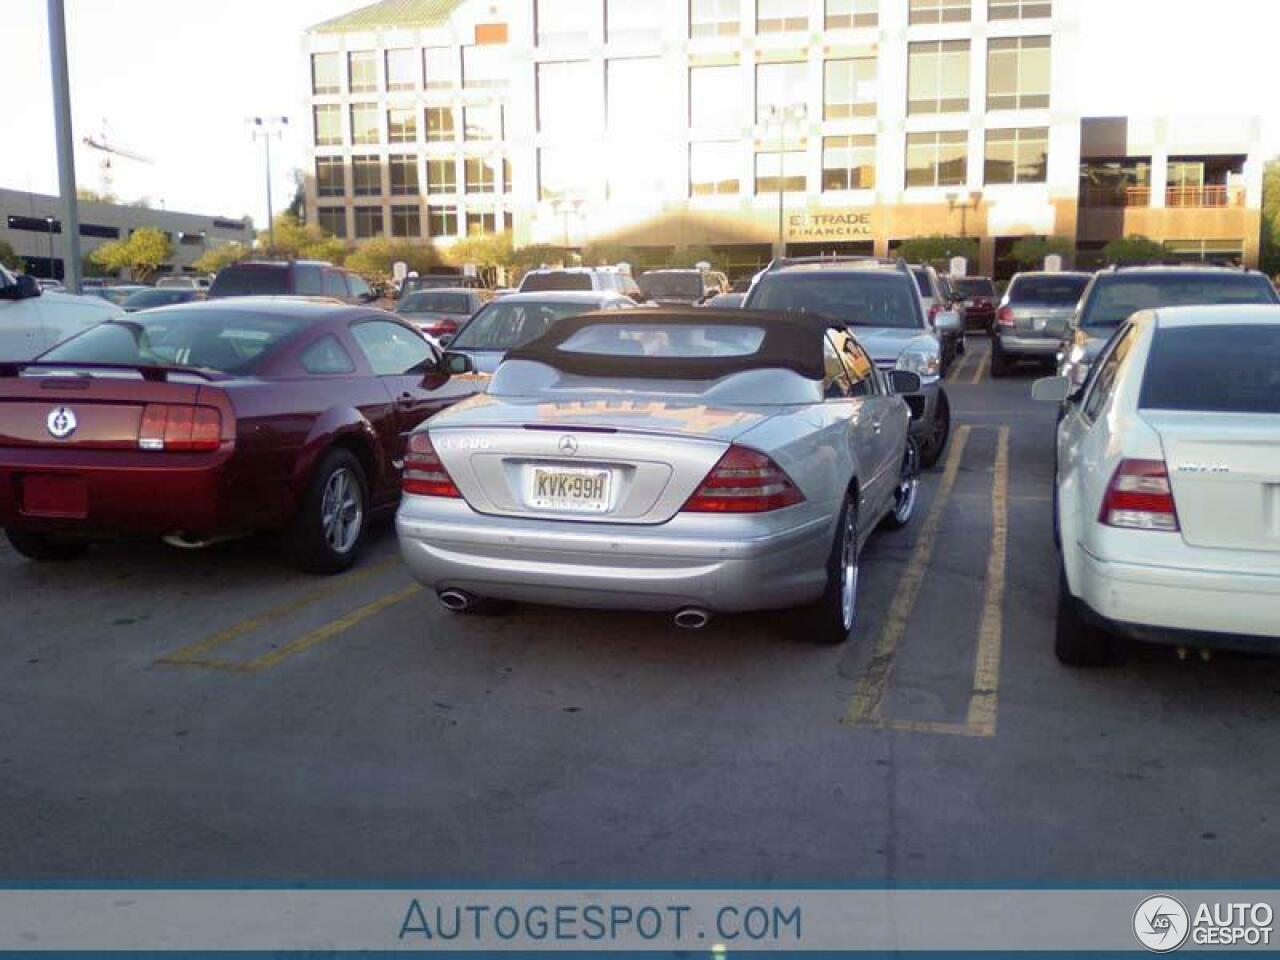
(868, 699)
(983, 363)
(957, 369)
(986, 672)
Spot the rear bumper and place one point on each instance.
(1173, 604)
(1029, 346)
(779, 564)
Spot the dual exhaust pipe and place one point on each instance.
(459, 601)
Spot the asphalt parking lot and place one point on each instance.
(217, 717)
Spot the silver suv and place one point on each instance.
(1033, 317)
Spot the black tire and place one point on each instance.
(46, 547)
(906, 494)
(315, 546)
(932, 446)
(825, 622)
(1078, 641)
(1001, 364)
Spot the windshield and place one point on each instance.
(974, 287)
(660, 286)
(1218, 369)
(504, 325)
(1117, 297)
(855, 299)
(228, 342)
(252, 279)
(435, 301)
(536, 282)
(1060, 291)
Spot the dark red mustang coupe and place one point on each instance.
(206, 421)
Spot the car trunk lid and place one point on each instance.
(1045, 320)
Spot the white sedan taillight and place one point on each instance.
(744, 481)
(1139, 497)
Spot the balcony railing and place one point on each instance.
(1212, 196)
(1116, 197)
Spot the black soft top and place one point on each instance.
(791, 342)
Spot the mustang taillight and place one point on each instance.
(1004, 317)
(424, 472)
(1139, 498)
(744, 481)
(180, 427)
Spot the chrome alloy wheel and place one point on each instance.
(908, 489)
(849, 572)
(341, 511)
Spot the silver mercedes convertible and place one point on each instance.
(691, 461)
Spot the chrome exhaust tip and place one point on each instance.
(692, 618)
(456, 600)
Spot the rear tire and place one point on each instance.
(1001, 364)
(832, 620)
(326, 532)
(45, 547)
(907, 492)
(1078, 642)
(931, 447)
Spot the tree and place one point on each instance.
(298, 205)
(536, 255)
(1271, 218)
(376, 257)
(691, 256)
(299, 241)
(9, 257)
(93, 196)
(482, 249)
(90, 269)
(224, 255)
(1129, 250)
(141, 255)
(932, 249)
(1030, 252)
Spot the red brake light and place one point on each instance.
(934, 310)
(180, 427)
(1139, 497)
(1004, 317)
(439, 327)
(424, 472)
(744, 481)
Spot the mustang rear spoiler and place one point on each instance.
(150, 372)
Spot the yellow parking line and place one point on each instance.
(930, 726)
(194, 654)
(957, 369)
(986, 671)
(983, 364)
(868, 699)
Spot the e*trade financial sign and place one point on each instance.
(830, 226)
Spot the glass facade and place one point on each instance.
(849, 88)
(715, 169)
(780, 170)
(368, 222)
(631, 21)
(440, 125)
(782, 16)
(782, 89)
(1018, 73)
(330, 177)
(442, 175)
(364, 123)
(440, 66)
(715, 18)
(716, 100)
(442, 220)
(332, 220)
(362, 68)
(938, 77)
(482, 123)
(939, 11)
(1019, 9)
(938, 159)
(366, 176)
(328, 124)
(484, 67)
(1017, 156)
(565, 22)
(406, 220)
(326, 73)
(849, 163)
(402, 69)
(403, 170)
(569, 100)
(850, 14)
(402, 125)
(630, 84)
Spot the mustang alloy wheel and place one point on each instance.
(907, 492)
(326, 531)
(342, 511)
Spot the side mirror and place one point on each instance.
(904, 382)
(24, 288)
(948, 321)
(457, 364)
(1052, 390)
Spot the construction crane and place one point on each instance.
(110, 151)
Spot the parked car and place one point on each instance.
(32, 319)
(880, 303)
(936, 302)
(291, 278)
(678, 287)
(212, 420)
(1166, 488)
(602, 279)
(1116, 294)
(52, 286)
(515, 320)
(116, 294)
(727, 301)
(183, 282)
(976, 297)
(149, 297)
(440, 312)
(692, 462)
(1033, 317)
(439, 281)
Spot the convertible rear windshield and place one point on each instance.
(1215, 369)
(232, 342)
(859, 299)
(1115, 298)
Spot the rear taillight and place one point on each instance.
(439, 327)
(1004, 317)
(1139, 498)
(934, 310)
(180, 427)
(424, 473)
(744, 481)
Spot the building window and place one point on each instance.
(364, 123)
(568, 98)
(561, 174)
(1116, 183)
(440, 125)
(715, 169)
(938, 77)
(1019, 9)
(630, 86)
(1018, 73)
(847, 14)
(1017, 156)
(715, 18)
(1208, 251)
(939, 11)
(368, 222)
(937, 159)
(716, 100)
(442, 221)
(402, 70)
(849, 88)
(366, 176)
(332, 220)
(481, 222)
(482, 123)
(330, 181)
(326, 73)
(402, 125)
(406, 220)
(565, 22)
(631, 21)
(781, 16)
(781, 170)
(634, 176)
(442, 175)
(781, 88)
(482, 174)
(849, 163)
(484, 67)
(441, 68)
(363, 69)
(403, 168)
(328, 120)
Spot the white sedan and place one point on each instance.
(32, 320)
(1167, 499)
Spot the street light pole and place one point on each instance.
(779, 113)
(268, 128)
(48, 227)
(66, 151)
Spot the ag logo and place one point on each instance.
(61, 422)
(569, 446)
(1161, 924)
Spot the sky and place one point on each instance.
(175, 80)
